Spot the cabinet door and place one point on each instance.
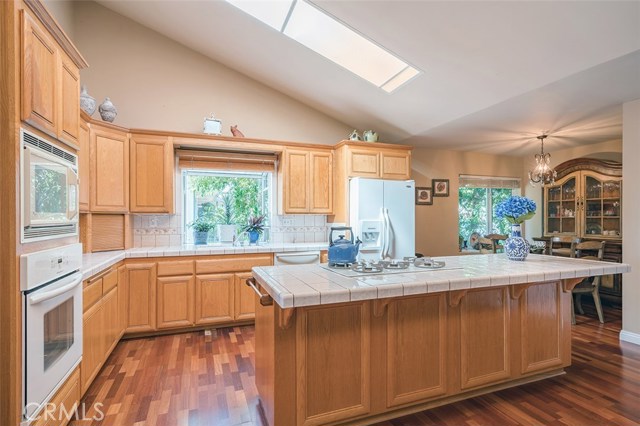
(602, 206)
(93, 344)
(109, 170)
(122, 299)
(321, 183)
(111, 321)
(395, 165)
(245, 298)
(69, 101)
(363, 162)
(141, 297)
(214, 298)
(175, 301)
(83, 167)
(561, 207)
(296, 181)
(151, 174)
(39, 77)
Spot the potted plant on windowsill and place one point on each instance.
(225, 218)
(254, 228)
(201, 227)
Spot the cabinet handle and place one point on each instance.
(265, 299)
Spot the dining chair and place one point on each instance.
(593, 250)
(497, 238)
(557, 246)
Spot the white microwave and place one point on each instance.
(49, 189)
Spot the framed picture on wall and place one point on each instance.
(440, 187)
(424, 196)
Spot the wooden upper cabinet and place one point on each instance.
(307, 181)
(39, 77)
(84, 165)
(363, 163)
(321, 185)
(395, 164)
(151, 174)
(69, 100)
(50, 84)
(109, 190)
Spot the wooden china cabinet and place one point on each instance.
(586, 202)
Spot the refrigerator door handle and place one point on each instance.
(387, 233)
(383, 243)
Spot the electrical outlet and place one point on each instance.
(153, 222)
(287, 221)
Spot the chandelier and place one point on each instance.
(543, 173)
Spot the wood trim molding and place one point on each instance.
(569, 284)
(380, 145)
(455, 296)
(49, 22)
(607, 168)
(516, 290)
(380, 306)
(285, 318)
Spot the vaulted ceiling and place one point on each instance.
(494, 74)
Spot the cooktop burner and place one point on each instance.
(383, 267)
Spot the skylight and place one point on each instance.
(330, 38)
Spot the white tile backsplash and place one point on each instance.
(167, 230)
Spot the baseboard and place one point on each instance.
(627, 336)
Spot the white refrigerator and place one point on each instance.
(382, 215)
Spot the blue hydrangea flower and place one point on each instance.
(516, 209)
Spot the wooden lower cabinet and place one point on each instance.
(354, 363)
(60, 409)
(214, 298)
(111, 320)
(140, 298)
(175, 301)
(93, 344)
(245, 297)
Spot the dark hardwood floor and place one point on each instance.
(194, 379)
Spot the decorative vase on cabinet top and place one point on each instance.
(108, 111)
(87, 102)
(516, 247)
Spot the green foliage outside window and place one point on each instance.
(476, 212)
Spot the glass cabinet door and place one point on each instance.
(560, 213)
(602, 207)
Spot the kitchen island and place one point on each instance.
(341, 350)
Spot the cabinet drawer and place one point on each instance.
(109, 281)
(232, 263)
(91, 293)
(181, 267)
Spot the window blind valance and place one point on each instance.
(217, 160)
(470, 181)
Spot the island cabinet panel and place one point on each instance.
(485, 343)
(109, 170)
(416, 349)
(333, 358)
(151, 174)
(544, 328)
(140, 297)
(39, 77)
(214, 298)
(175, 301)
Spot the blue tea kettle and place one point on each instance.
(341, 250)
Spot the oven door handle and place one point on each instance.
(41, 297)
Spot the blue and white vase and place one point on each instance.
(516, 247)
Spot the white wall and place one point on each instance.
(157, 83)
(631, 226)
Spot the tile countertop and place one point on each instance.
(308, 285)
(93, 263)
